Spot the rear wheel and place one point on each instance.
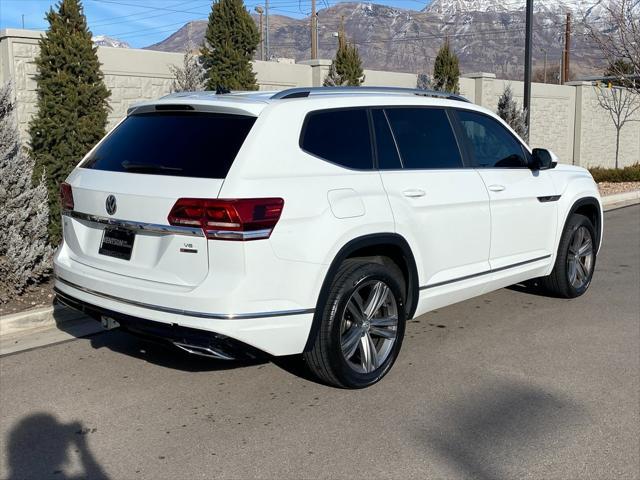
(576, 259)
(363, 323)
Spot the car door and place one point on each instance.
(523, 201)
(439, 206)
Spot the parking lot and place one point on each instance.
(508, 385)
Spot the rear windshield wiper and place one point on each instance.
(148, 167)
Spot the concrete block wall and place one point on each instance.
(564, 118)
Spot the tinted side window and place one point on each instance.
(388, 158)
(339, 136)
(492, 145)
(424, 137)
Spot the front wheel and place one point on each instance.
(362, 325)
(576, 260)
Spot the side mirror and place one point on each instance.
(543, 159)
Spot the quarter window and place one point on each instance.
(492, 145)
(424, 137)
(339, 136)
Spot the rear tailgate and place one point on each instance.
(124, 190)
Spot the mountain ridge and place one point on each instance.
(388, 38)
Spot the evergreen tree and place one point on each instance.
(510, 112)
(230, 42)
(25, 255)
(446, 70)
(346, 68)
(72, 101)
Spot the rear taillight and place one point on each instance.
(242, 219)
(66, 196)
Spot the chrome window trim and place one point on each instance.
(187, 313)
(137, 226)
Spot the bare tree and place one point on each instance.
(619, 39)
(621, 104)
(191, 76)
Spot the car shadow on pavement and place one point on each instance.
(164, 355)
(499, 430)
(39, 446)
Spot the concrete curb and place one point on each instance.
(50, 318)
(621, 200)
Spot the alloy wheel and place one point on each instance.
(580, 258)
(369, 326)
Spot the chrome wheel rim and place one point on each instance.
(580, 258)
(369, 326)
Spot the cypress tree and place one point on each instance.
(72, 102)
(510, 112)
(230, 42)
(446, 70)
(346, 68)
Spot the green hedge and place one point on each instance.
(627, 174)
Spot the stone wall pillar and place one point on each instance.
(581, 98)
(484, 87)
(319, 70)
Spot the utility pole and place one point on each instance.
(266, 25)
(23, 21)
(545, 66)
(314, 31)
(567, 50)
(260, 11)
(527, 62)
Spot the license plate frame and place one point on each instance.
(117, 243)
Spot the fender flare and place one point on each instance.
(376, 239)
(581, 202)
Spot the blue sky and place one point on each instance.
(144, 22)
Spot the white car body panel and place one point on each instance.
(465, 238)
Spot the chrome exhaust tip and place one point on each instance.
(209, 351)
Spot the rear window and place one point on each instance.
(339, 136)
(185, 144)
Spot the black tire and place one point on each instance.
(558, 283)
(326, 359)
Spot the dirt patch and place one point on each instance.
(611, 188)
(35, 297)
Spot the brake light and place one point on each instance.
(240, 219)
(66, 196)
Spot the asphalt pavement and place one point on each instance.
(508, 385)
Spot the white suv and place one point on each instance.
(314, 221)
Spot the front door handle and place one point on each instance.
(414, 192)
(496, 188)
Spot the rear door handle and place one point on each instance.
(496, 188)
(414, 192)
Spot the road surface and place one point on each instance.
(507, 385)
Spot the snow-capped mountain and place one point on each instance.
(106, 41)
(487, 35)
(580, 8)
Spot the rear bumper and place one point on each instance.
(267, 309)
(199, 341)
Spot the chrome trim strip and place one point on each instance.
(474, 275)
(237, 235)
(137, 226)
(188, 313)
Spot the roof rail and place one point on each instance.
(304, 92)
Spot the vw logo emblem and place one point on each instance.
(111, 205)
